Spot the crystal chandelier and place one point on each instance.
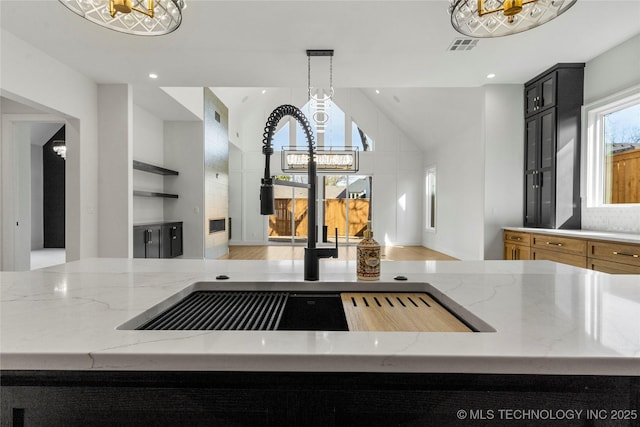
(60, 148)
(496, 18)
(138, 17)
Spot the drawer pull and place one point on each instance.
(554, 244)
(515, 238)
(624, 254)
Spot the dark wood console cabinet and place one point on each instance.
(157, 240)
(552, 147)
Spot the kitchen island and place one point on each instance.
(565, 339)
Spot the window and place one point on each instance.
(613, 150)
(281, 138)
(430, 205)
(360, 139)
(334, 134)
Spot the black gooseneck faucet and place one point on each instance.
(312, 254)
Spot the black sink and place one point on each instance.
(313, 312)
(252, 311)
(276, 306)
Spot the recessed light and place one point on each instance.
(153, 76)
(377, 91)
(264, 91)
(490, 76)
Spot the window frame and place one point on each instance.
(430, 209)
(593, 135)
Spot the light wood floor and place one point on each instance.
(346, 253)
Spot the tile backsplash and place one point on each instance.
(622, 219)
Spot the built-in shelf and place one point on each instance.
(139, 193)
(146, 167)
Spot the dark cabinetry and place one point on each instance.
(540, 94)
(552, 147)
(309, 399)
(159, 240)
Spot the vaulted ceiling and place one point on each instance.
(399, 47)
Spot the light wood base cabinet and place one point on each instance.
(557, 256)
(614, 257)
(517, 245)
(601, 255)
(565, 250)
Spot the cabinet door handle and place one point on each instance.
(554, 244)
(625, 254)
(150, 234)
(173, 233)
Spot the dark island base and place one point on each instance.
(80, 398)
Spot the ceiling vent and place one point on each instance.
(463, 44)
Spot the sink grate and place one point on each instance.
(224, 311)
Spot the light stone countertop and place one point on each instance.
(583, 234)
(549, 318)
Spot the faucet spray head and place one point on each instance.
(266, 197)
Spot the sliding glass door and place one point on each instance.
(289, 222)
(346, 206)
(345, 202)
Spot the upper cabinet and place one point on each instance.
(552, 147)
(540, 94)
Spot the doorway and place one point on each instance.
(25, 132)
(47, 196)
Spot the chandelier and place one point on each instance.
(137, 17)
(320, 98)
(496, 18)
(60, 148)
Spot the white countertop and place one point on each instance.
(583, 234)
(549, 318)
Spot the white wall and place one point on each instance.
(148, 147)
(613, 71)
(605, 75)
(459, 161)
(184, 152)
(395, 164)
(236, 184)
(37, 226)
(34, 78)
(15, 159)
(115, 134)
(503, 158)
